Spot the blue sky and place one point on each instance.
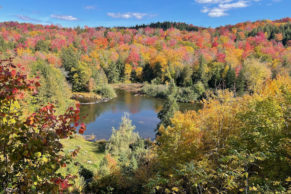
(70, 13)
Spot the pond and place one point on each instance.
(142, 110)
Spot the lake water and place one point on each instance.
(143, 110)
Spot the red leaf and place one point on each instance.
(76, 124)
(82, 128)
(13, 73)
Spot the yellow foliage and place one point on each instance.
(34, 33)
(234, 57)
(160, 59)
(22, 51)
(127, 72)
(193, 134)
(94, 54)
(256, 73)
(139, 72)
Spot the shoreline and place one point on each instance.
(135, 88)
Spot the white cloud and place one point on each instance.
(219, 8)
(129, 15)
(64, 17)
(205, 10)
(239, 4)
(89, 7)
(217, 12)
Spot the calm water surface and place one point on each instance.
(101, 117)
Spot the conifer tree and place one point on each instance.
(169, 107)
(240, 83)
(230, 78)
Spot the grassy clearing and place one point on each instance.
(89, 156)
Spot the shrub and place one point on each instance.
(106, 91)
(158, 91)
(186, 95)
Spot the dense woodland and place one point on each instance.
(239, 141)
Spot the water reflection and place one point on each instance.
(101, 117)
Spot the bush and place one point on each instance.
(186, 95)
(158, 91)
(106, 91)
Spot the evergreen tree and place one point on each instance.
(113, 73)
(240, 83)
(216, 78)
(42, 45)
(201, 74)
(70, 58)
(120, 140)
(147, 73)
(230, 78)
(184, 77)
(126, 146)
(53, 88)
(169, 107)
(77, 71)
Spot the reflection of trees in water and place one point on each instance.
(133, 102)
(158, 107)
(125, 101)
(92, 111)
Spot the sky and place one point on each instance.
(110, 13)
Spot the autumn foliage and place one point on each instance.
(231, 145)
(30, 151)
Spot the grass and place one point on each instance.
(89, 156)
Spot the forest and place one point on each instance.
(237, 142)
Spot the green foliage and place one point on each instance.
(106, 91)
(53, 88)
(201, 74)
(169, 107)
(159, 91)
(240, 83)
(230, 79)
(148, 73)
(184, 94)
(121, 139)
(70, 58)
(78, 74)
(113, 73)
(167, 25)
(184, 78)
(271, 30)
(5, 45)
(42, 45)
(199, 88)
(100, 77)
(125, 153)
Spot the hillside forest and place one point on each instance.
(239, 141)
